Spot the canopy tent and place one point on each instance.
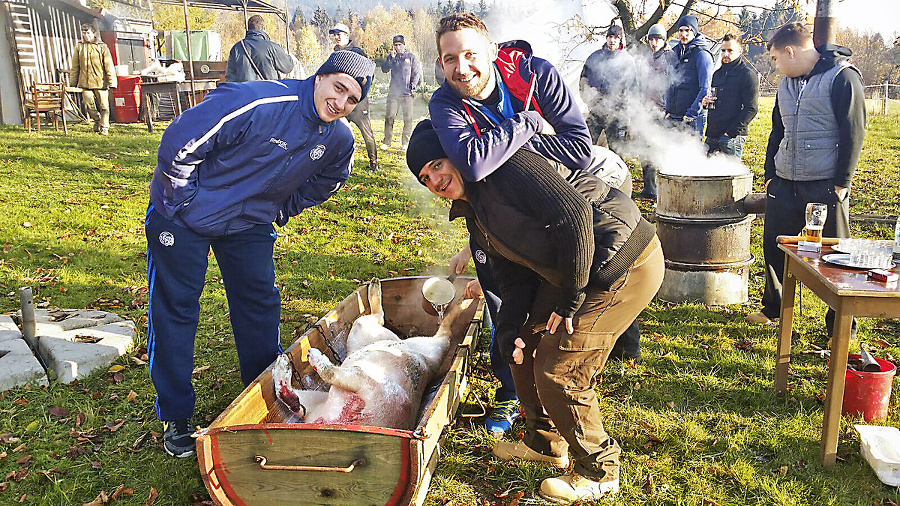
(256, 6)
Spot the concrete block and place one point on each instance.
(18, 366)
(51, 321)
(6, 335)
(7, 323)
(77, 353)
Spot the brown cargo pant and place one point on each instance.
(555, 383)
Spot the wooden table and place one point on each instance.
(172, 88)
(850, 293)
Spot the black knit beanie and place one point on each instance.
(399, 39)
(690, 22)
(353, 64)
(424, 146)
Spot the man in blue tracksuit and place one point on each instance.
(691, 76)
(249, 154)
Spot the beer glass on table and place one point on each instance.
(815, 221)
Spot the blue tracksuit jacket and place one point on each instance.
(250, 153)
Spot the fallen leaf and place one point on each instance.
(24, 460)
(139, 442)
(8, 438)
(152, 497)
(710, 502)
(96, 464)
(58, 411)
(121, 490)
(882, 343)
(19, 448)
(19, 475)
(783, 470)
(114, 426)
(101, 499)
(514, 501)
(138, 361)
(132, 396)
(3, 485)
(96, 395)
(199, 370)
(79, 419)
(118, 377)
(32, 427)
(116, 368)
(670, 404)
(21, 401)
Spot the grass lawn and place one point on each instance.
(697, 419)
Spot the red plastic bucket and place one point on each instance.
(868, 393)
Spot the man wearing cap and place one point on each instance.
(654, 86)
(691, 76)
(340, 35)
(406, 74)
(94, 73)
(735, 103)
(608, 77)
(256, 58)
(249, 154)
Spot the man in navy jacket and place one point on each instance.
(249, 154)
(690, 77)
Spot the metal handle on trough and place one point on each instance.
(348, 469)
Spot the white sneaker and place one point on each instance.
(384, 146)
(572, 487)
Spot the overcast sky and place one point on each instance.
(877, 15)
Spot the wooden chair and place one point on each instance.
(45, 98)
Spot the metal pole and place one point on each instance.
(187, 34)
(884, 103)
(28, 325)
(822, 27)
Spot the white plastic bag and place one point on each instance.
(880, 446)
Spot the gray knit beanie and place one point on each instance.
(353, 64)
(690, 22)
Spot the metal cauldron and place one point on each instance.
(703, 225)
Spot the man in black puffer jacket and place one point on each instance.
(735, 103)
(256, 58)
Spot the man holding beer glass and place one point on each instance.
(818, 125)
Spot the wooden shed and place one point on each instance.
(38, 39)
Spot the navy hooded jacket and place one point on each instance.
(690, 78)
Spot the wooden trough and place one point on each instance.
(250, 456)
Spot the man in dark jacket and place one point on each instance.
(249, 154)
(818, 126)
(690, 77)
(608, 78)
(340, 35)
(575, 262)
(256, 58)
(406, 74)
(735, 101)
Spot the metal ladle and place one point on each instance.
(437, 293)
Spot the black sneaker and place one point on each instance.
(179, 440)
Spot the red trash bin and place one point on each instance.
(126, 99)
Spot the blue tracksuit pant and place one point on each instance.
(176, 272)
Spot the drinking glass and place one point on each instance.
(711, 93)
(816, 214)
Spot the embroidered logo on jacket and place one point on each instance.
(317, 152)
(480, 257)
(278, 142)
(166, 238)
